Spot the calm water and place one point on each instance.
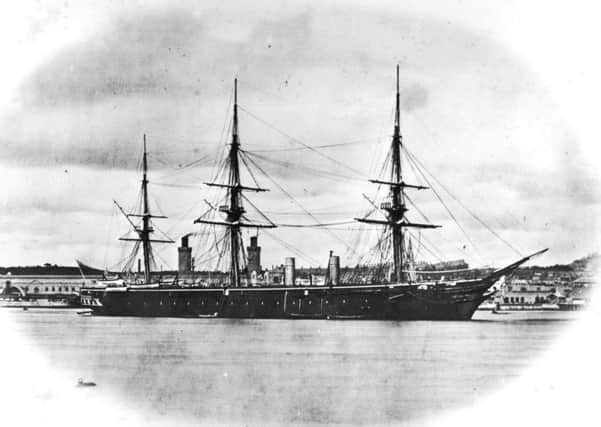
(301, 371)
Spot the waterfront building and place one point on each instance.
(43, 286)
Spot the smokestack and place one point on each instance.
(254, 255)
(289, 271)
(184, 253)
(139, 265)
(334, 265)
(7, 288)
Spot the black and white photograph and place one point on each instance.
(346, 213)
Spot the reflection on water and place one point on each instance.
(301, 371)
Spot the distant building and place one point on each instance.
(458, 264)
(42, 286)
(521, 291)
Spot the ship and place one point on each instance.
(398, 296)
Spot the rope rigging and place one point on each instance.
(300, 205)
(216, 247)
(333, 145)
(442, 202)
(472, 214)
(298, 141)
(303, 168)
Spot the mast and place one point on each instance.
(146, 230)
(235, 210)
(396, 208)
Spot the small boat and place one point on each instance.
(208, 315)
(82, 383)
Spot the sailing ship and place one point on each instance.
(398, 297)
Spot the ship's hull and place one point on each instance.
(361, 302)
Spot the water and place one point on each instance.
(280, 372)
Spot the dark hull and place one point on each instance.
(367, 302)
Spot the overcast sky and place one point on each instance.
(86, 82)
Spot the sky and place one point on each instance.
(483, 108)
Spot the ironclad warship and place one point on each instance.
(396, 297)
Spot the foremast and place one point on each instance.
(235, 220)
(395, 208)
(146, 230)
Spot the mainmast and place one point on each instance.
(395, 208)
(147, 229)
(235, 210)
